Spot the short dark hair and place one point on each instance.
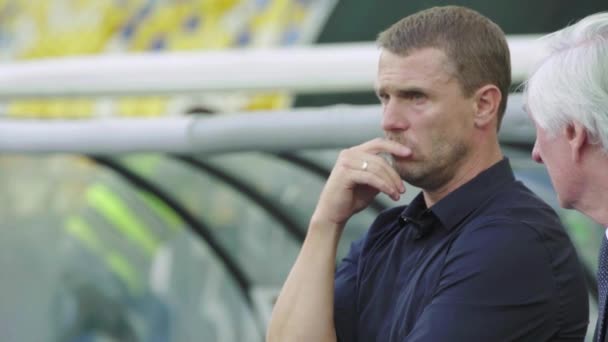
(475, 46)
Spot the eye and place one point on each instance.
(418, 96)
(383, 97)
(413, 95)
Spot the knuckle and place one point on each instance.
(344, 153)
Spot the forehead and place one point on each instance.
(421, 67)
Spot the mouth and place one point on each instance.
(398, 140)
(401, 160)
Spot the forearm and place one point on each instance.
(304, 309)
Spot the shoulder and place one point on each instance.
(521, 260)
(520, 243)
(517, 215)
(499, 240)
(512, 226)
(498, 260)
(518, 202)
(516, 232)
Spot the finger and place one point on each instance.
(361, 177)
(355, 158)
(380, 145)
(377, 166)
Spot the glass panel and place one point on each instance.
(90, 258)
(251, 235)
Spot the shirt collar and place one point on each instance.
(422, 219)
(454, 207)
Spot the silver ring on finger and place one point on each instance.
(364, 166)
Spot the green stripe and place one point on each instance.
(125, 271)
(78, 228)
(167, 214)
(120, 216)
(81, 230)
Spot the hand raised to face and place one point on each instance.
(360, 173)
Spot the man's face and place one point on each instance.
(424, 109)
(554, 152)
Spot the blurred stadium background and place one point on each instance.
(173, 247)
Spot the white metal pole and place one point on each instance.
(301, 69)
(308, 128)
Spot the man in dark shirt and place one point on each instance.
(488, 262)
(475, 256)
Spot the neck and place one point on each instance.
(481, 159)
(592, 198)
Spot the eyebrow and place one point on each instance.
(404, 90)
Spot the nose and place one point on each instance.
(393, 117)
(536, 153)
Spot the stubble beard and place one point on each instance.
(434, 171)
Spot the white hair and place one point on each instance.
(571, 85)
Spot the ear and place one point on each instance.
(487, 100)
(577, 139)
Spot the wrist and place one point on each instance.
(318, 222)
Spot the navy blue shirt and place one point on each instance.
(489, 262)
